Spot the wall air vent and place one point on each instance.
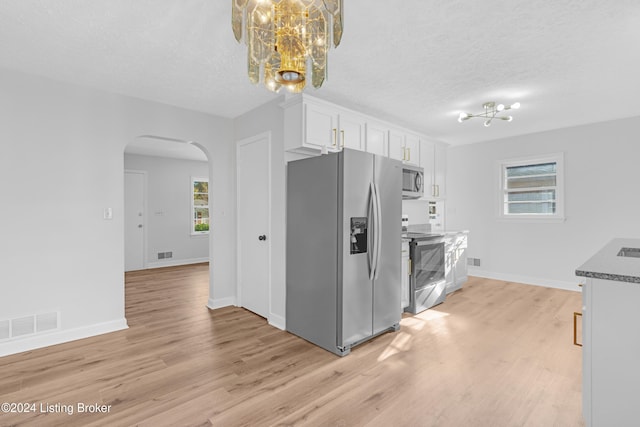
(46, 322)
(29, 325)
(5, 329)
(475, 262)
(23, 326)
(165, 255)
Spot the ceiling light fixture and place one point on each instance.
(285, 37)
(491, 111)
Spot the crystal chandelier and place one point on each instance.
(491, 111)
(285, 38)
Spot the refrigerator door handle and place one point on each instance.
(371, 237)
(372, 213)
(378, 225)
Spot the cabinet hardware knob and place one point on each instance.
(263, 237)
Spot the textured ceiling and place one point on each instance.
(415, 62)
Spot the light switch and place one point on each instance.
(107, 213)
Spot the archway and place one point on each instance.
(171, 219)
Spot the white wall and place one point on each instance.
(61, 164)
(169, 217)
(270, 117)
(601, 191)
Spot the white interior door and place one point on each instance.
(254, 188)
(134, 221)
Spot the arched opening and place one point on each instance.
(167, 207)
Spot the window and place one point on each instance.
(532, 188)
(200, 205)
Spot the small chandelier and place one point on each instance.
(491, 111)
(287, 40)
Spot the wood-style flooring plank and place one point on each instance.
(493, 354)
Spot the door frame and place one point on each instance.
(240, 143)
(145, 209)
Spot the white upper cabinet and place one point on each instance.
(433, 159)
(351, 131)
(320, 127)
(311, 125)
(396, 144)
(412, 149)
(377, 138)
(440, 170)
(404, 146)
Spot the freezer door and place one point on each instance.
(355, 287)
(388, 278)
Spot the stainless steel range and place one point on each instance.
(427, 285)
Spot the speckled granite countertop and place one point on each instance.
(607, 264)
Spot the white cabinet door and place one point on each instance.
(449, 267)
(320, 127)
(377, 139)
(396, 145)
(433, 158)
(406, 272)
(351, 131)
(614, 351)
(439, 170)
(412, 149)
(427, 151)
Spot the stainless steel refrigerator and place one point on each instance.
(344, 213)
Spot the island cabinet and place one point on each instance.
(611, 337)
(611, 353)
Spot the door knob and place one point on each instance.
(139, 225)
(263, 237)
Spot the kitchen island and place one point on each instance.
(611, 335)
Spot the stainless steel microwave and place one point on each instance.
(412, 182)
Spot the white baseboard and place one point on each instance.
(33, 342)
(537, 281)
(176, 262)
(221, 302)
(277, 321)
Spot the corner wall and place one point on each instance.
(601, 202)
(270, 117)
(61, 165)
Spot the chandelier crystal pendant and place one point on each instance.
(287, 40)
(491, 112)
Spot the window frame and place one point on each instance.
(558, 159)
(193, 232)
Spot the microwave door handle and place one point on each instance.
(378, 223)
(371, 233)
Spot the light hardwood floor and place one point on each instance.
(494, 354)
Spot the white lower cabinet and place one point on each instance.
(456, 261)
(406, 273)
(610, 353)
